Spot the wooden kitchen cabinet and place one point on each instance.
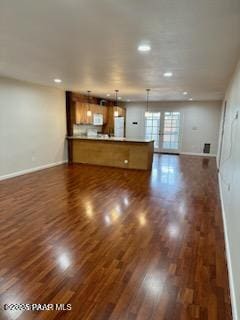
(121, 112)
(108, 128)
(81, 109)
(81, 113)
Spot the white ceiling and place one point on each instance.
(92, 45)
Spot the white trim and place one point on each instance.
(198, 154)
(22, 172)
(228, 254)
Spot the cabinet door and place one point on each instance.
(120, 111)
(81, 113)
(100, 110)
(124, 113)
(83, 118)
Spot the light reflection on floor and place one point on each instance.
(166, 177)
(165, 169)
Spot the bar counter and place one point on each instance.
(112, 152)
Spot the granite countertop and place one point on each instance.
(110, 139)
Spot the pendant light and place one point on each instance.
(147, 113)
(116, 104)
(89, 112)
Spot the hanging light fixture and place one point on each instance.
(116, 104)
(147, 113)
(89, 112)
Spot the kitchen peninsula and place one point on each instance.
(113, 152)
(96, 144)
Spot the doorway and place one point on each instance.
(164, 128)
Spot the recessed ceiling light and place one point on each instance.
(119, 98)
(57, 80)
(108, 95)
(190, 99)
(128, 100)
(168, 74)
(144, 47)
(185, 93)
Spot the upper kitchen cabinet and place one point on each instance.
(81, 109)
(109, 126)
(77, 107)
(121, 111)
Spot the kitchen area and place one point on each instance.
(96, 134)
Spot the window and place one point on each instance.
(171, 130)
(152, 127)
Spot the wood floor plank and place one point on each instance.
(114, 243)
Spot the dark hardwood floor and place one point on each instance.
(115, 244)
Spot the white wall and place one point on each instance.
(200, 123)
(229, 179)
(32, 126)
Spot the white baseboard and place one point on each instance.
(198, 154)
(22, 172)
(228, 254)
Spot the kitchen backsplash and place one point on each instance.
(83, 129)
